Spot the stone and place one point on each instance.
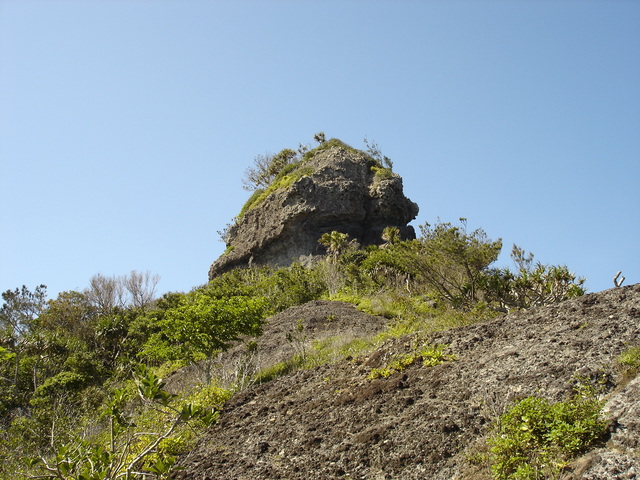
(334, 188)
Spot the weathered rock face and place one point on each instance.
(339, 188)
(427, 422)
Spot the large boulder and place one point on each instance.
(334, 188)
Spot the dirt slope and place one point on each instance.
(332, 422)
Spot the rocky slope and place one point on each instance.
(335, 188)
(332, 422)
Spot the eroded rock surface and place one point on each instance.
(341, 190)
(331, 422)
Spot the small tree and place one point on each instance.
(336, 243)
(141, 288)
(201, 326)
(266, 168)
(105, 293)
(391, 235)
(453, 262)
(18, 317)
(137, 289)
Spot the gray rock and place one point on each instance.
(332, 422)
(341, 190)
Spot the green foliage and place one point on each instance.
(60, 360)
(453, 261)
(535, 439)
(128, 453)
(429, 355)
(200, 326)
(532, 284)
(6, 354)
(381, 161)
(393, 266)
(336, 243)
(391, 235)
(19, 312)
(59, 384)
(281, 287)
(382, 173)
(294, 285)
(285, 178)
(629, 361)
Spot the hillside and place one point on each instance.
(330, 341)
(425, 422)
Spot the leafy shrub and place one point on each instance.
(532, 284)
(63, 382)
(290, 286)
(201, 326)
(535, 439)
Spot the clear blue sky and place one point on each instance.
(126, 126)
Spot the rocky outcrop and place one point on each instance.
(333, 422)
(334, 188)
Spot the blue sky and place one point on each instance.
(126, 126)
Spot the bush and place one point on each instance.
(453, 262)
(629, 361)
(535, 438)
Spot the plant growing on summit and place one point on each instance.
(266, 168)
(319, 137)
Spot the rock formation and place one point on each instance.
(333, 188)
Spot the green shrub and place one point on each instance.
(382, 173)
(535, 439)
(629, 361)
(290, 286)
